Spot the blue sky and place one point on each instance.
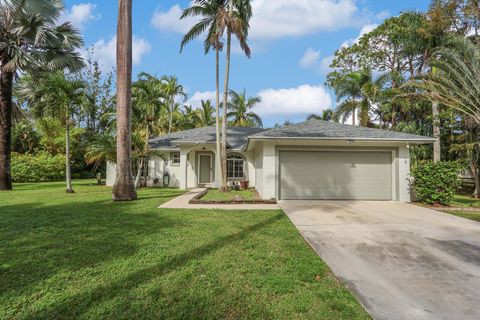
(292, 43)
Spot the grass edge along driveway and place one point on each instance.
(84, 256)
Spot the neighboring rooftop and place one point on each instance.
(320, 129)
(236, 137)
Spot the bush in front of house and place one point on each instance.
(436, 183)
(37, 168)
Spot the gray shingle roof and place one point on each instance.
(333, 130)
(236, 137)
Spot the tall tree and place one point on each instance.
(148, 103)
(241, 114)
(455, 84)
(361, 91)
(205, 114)
(54, 95)
(171, 90)
(212, 14)
(436, 29)
(30, 39)
(124, 189)
(99, 91)
(237, 23)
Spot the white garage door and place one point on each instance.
(335, 175)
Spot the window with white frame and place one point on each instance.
(235, 165)
(175, 157)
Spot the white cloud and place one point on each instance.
(196, 99)
(170, 20)
(304, 99)
(105, 51)
(286, 18)
(80, 14)
(365, 29)
(310, 58)
(273, 19)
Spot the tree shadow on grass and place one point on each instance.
(37, 243)
(79, 304)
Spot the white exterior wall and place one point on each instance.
(262, 167)
(111, 173)
(259, 168)
(267, 175)
(269, 171)
(403, 167)
(156, 168)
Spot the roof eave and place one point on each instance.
(409, 140)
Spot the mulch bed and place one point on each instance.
(198, 200)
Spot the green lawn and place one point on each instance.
(466, 214)
(465, 201)
(83, 256)
(216, 195)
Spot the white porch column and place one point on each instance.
(404, 174)
(183, 168)
(269, 171)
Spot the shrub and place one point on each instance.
(436, 183)
(37, 168)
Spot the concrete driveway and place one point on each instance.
(400, 260)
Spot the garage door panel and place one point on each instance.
(335, 175)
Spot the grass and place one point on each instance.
(83, 256)
(472, 215)
(464, 201)
(217, 195)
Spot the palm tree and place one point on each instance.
(212, 13)
(30, 39)
(237, 22)
(205, 114)
(172, 89)
(147, 99)
(55, 96)
(327, 115)
(455, 84)
(102, 149)
(361, 91)
(241, 114)
(437, 27)
(123, 188)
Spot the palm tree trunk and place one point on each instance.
(6, 106)
(124, 189)
(224, 186)
(475, 174)
(364, 116)
(436, 132)
(68, 170)
(218, 157)
(354, 114)
(170, 118)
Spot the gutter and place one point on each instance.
(347, 139)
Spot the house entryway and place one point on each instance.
(205, 168)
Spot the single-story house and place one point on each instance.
(311, 160)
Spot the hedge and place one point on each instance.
(436, 183)
(37, 168)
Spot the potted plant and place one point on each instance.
(244, 184)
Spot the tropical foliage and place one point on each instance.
(30, 39)
(240, 110)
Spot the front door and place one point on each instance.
(205, 169)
